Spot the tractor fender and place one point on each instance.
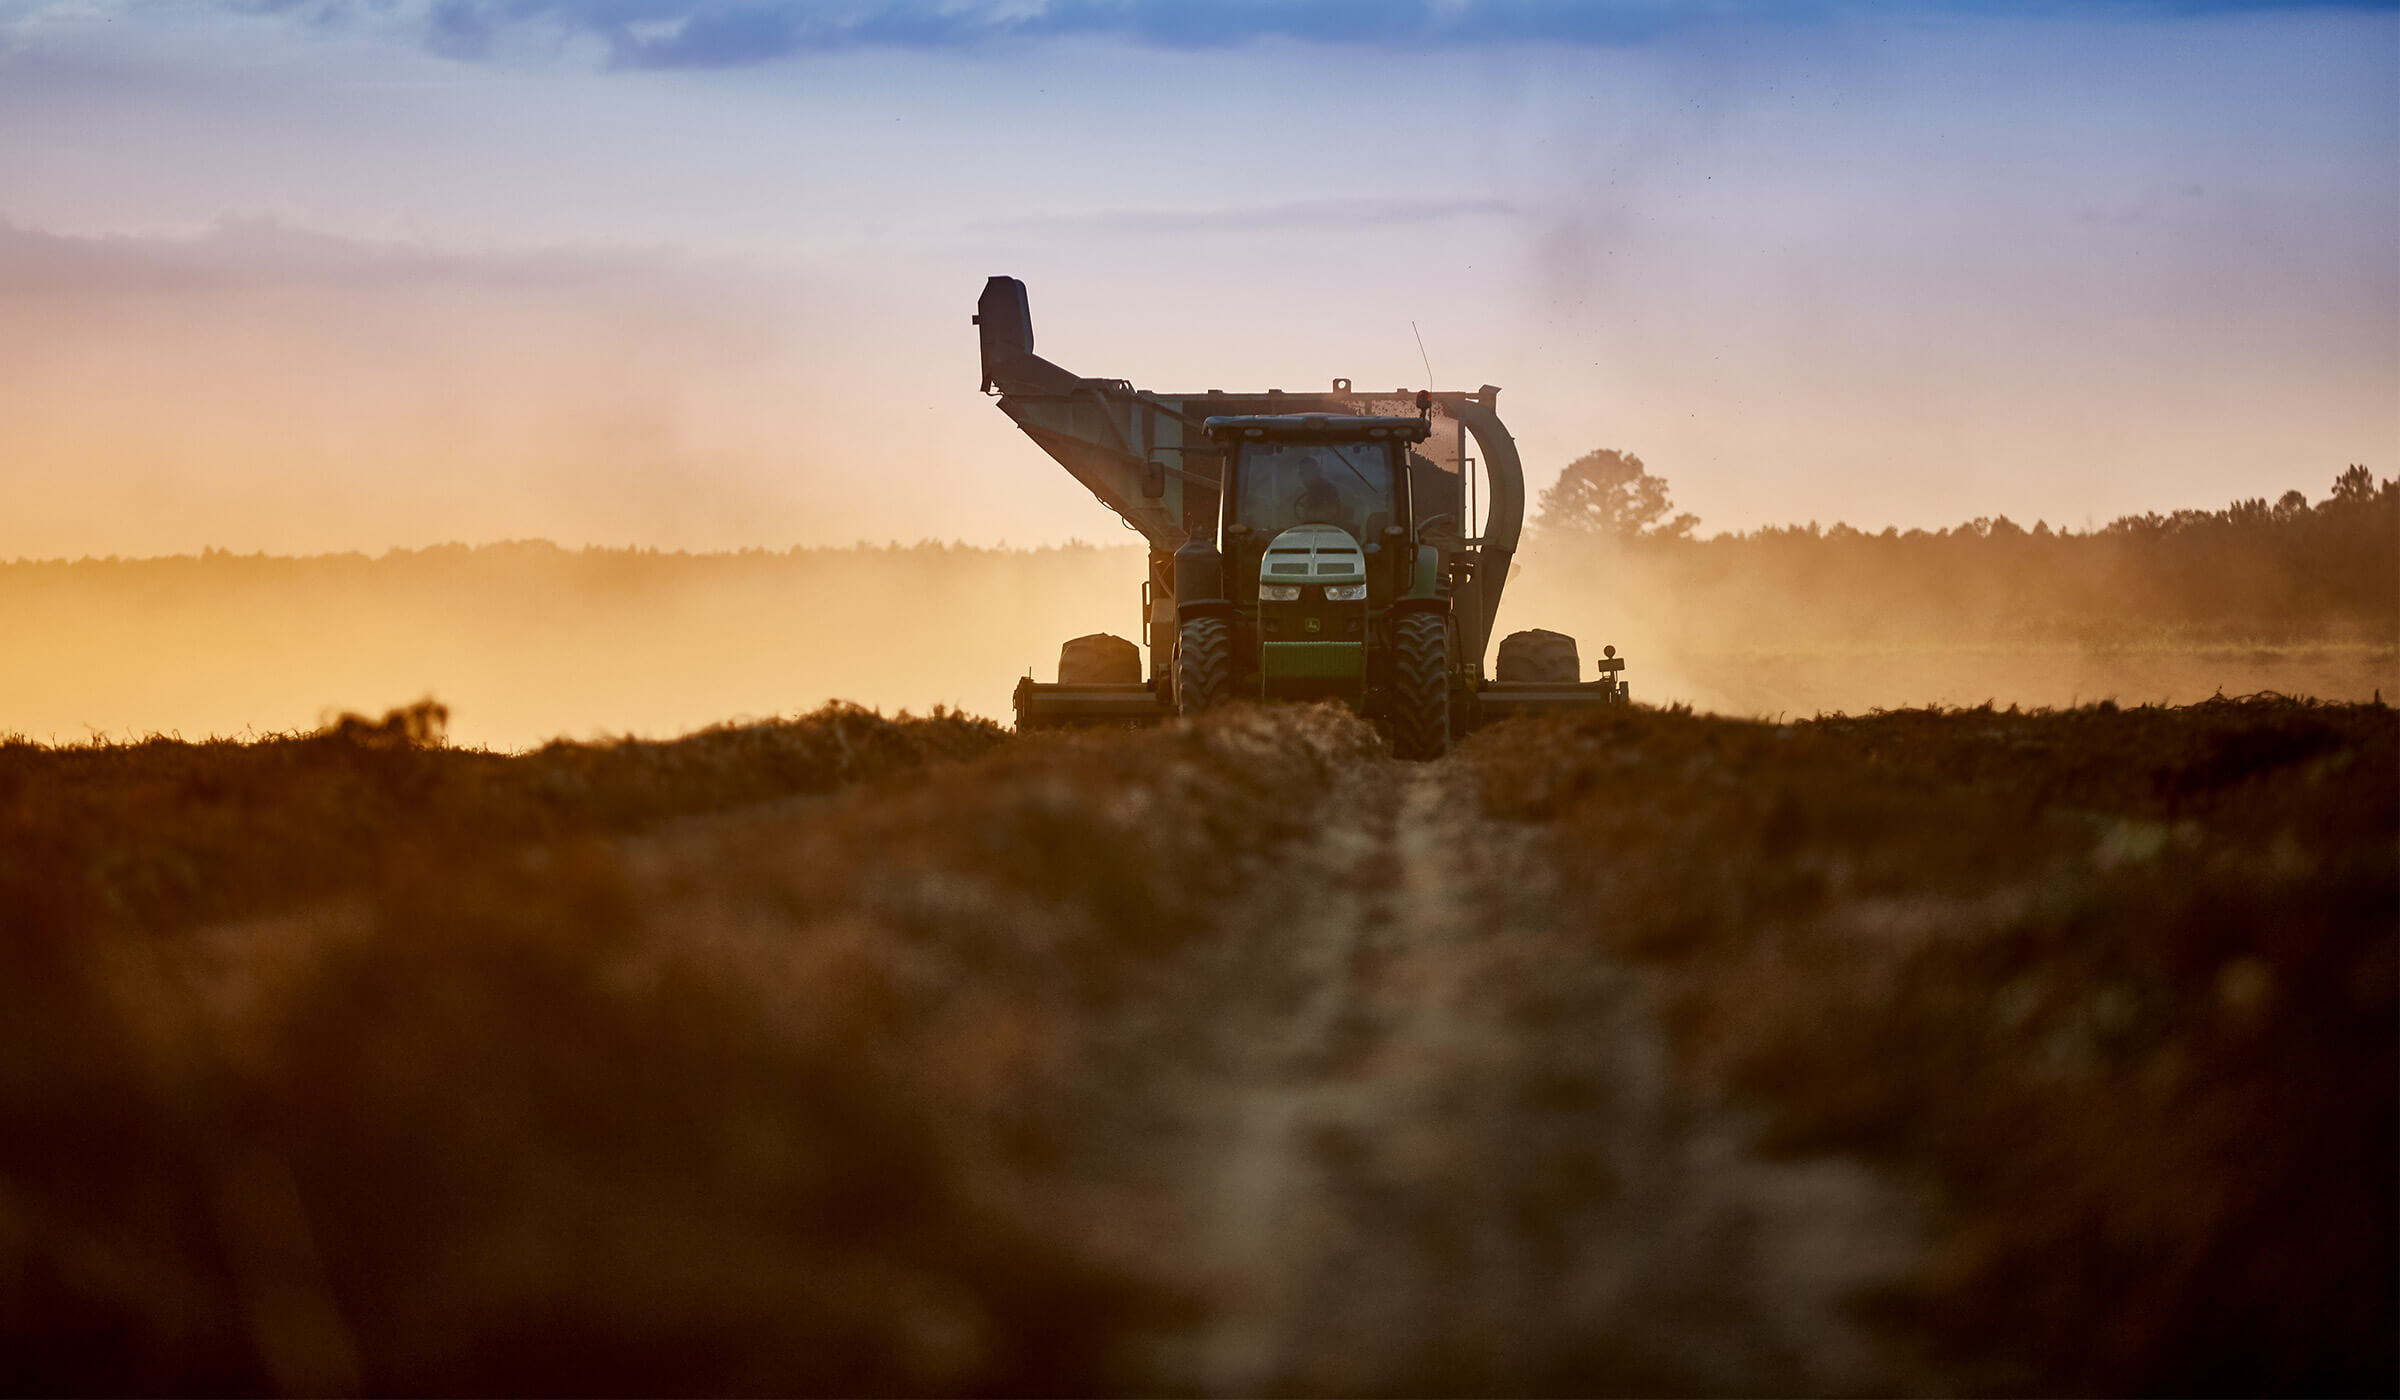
(1424, 593)
(1200, 581)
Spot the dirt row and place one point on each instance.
(1424, 1149)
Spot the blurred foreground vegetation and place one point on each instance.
(725, 1065)
(2118, 984)
(767, 1060)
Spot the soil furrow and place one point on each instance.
(1440, 1156)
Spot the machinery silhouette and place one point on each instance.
(1329, 545)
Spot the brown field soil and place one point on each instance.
(1649, 1053)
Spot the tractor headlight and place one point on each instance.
(1345, 592)
(1279, 592)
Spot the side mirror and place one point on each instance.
(1154, 479)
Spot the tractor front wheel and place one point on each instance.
(1203, 664)
(1420, 686)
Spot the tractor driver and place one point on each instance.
(1320, 501)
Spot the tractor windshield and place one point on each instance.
(1348, 484)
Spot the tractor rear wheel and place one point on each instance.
(1538, 655)
(1203, 664)
(1420, 686)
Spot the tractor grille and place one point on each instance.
(1336, 622)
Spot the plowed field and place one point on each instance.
(1651, 1053)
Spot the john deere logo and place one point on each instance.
(1312, 625)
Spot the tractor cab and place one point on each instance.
(1310, 496)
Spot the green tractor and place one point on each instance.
(1302, 546)
(1320, 590)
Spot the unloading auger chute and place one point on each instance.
(1103, 431)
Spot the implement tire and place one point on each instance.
(1203, 664)
(1420, 686)
(1099, 659)
(1546, 657)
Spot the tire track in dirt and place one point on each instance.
(1445, 1148)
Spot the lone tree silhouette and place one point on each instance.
(2354, 488)
(1607, 494)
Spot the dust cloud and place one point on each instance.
(2291, 598)
(528, 642)
(1703, 648)
(255, 387)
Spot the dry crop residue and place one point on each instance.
(2115, 986)
(1643, 1052)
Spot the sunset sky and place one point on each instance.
(311, 275)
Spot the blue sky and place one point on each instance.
(334, 275)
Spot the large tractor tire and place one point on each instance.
(1420, 686)
(1203, 664)
(1099, 659)
(1546, 658)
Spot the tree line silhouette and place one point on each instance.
(2290, 570)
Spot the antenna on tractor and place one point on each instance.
(1420, 335)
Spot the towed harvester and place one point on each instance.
(1302, 546)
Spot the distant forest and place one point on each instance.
(2287, 571)
(2255, 571)
(526, 641)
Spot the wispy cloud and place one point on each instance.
(248, 255)
(728, 33)
(721, 33)
(1271, 218)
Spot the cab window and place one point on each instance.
(1314, 483)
